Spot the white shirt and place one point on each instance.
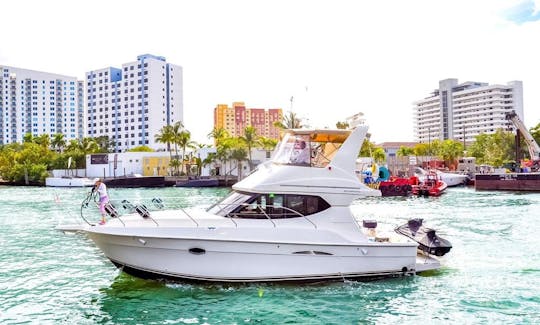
(102, 190)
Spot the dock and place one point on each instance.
(508, 182)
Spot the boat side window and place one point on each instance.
(264, 206)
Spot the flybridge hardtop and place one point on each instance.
(289, 220)
(313, 161)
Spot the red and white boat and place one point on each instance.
(430, 185)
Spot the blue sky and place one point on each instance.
(336, 58)
(523, 12)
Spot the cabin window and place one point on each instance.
(268, 206)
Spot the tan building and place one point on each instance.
(236, 118)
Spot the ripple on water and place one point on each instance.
(490, 276)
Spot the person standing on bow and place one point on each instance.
(101, 188)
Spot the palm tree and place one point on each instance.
(165, 135)
(104, 144)
(43, 140)
(58, 142)
(184, 140)
(290, 121)
(250, 140)
(177, 129)
(218, 134)
(224, 152)
(238, 153)
(174, 163)
(28, 137)
(268, 144)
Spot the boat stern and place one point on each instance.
(426, 263)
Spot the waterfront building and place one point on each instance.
(236, 118)
(131, 104)
(129, 164)
(39, 103)
(463, 111)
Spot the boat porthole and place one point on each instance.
(197, 251)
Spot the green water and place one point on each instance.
(491, 276)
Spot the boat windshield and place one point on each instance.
(229, 203)
(309, 148)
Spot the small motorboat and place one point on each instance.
(396, 186)
(431, 185)
(428, 241)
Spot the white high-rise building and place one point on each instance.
(463, 111)
(39, 103)
(130, 105)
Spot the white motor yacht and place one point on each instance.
(451, 179)
(289, 220)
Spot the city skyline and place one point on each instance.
(334, 58)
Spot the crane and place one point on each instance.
(534, 148)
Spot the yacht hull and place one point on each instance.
(244, 261)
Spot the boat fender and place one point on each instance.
(111, 210)
(127, 205)
(397, 188)
(158, 203)
(142, 211)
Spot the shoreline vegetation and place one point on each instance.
(30, 162)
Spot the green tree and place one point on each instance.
(422, 149)
(218, 134)
(405, 151)
(141, 149)
(535, 132)
(43, 140)
(78, 149)
(183, 139)
(166, 136)
(379, 155)
(177, 129)
(238, 153)
(449, 151)
(342, 125)
(174, 164)
(250, 140)
(27, 161)
(28, 137)
(105, 144)
(289, 121)
(58, 142)
(493, 149)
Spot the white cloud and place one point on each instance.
(375, 57)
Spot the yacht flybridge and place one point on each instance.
(289, 220)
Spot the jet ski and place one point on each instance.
(428, 241)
